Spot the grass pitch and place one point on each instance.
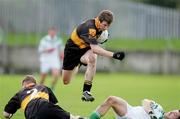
(132, 87)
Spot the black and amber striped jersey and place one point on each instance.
(86, 33)
(30, 95)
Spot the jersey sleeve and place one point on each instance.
(52, 97)
(41, 47)
(13, 104)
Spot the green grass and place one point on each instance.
(146, 44)
(132, 87)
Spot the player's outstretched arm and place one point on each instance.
(12, 106)
(100, 51)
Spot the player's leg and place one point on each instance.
(55, 71)
(44, 68)
(55, 74)
(42, 78)
(70, 64)
(119, 106)
(58, 113)
(50, 111)
(89, 58)
(68, 75)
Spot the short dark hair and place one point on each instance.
(53, 28)
(106, 15)
(29, 79)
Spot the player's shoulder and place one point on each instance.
(44, 39)
(90, 23)
(40, 86)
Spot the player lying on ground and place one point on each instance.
(82, 48)
(148, 110)
(37, 101)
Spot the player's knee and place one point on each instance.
(92, 59)
(66, 81)
(66, 76)
(112, 100)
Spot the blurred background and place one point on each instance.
(147, 30)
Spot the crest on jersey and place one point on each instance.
(92, 32)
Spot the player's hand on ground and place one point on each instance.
(119, 55)
(7, 115)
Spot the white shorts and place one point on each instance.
(136, 112)
(47, 66)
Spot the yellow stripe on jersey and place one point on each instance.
(97, 23)
(30, 97)
(78, 41)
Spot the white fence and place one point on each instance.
(132, 20)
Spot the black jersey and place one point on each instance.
(27, 96)
(86, 33)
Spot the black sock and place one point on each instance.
(87, 87)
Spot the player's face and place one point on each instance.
(26, 85)
(104, 26)
(175, 114)
(23, 85)
(52, 33)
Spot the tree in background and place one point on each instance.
(163, 3)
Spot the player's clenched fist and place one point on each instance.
(119, 55)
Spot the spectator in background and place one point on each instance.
(51, 55)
